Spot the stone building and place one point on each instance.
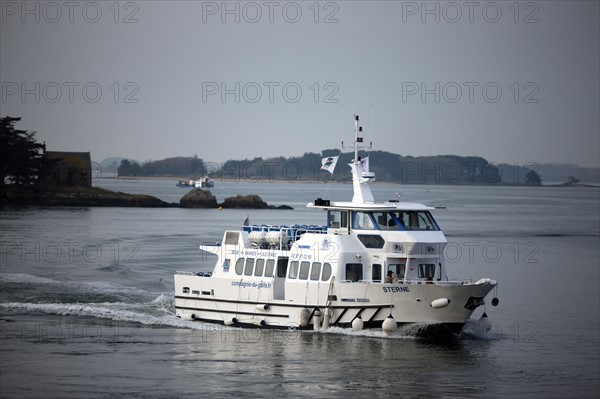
(73, 169)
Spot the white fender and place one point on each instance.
(317, 317)
(304, 314)
(230, 322)
(357, 324)
(389, 325)
(262, 306)
(326, 319)
(440, 303)
(186, 316)
(258, 322)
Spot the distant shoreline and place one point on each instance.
(100, 197)
(501, 184)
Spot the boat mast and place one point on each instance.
(361, 177)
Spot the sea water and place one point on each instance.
(86, 301)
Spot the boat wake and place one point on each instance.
(105, 301)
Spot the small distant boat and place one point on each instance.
(205, 182)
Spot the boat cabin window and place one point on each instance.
(282, 264)
(186, 290)
(304, 268)
(371, 240)
(326, 272)
(354, 272)
(376, 272)
(293, 270)
(260, 265)
(417, 220)
(398, 268)
(385, 221)
(337, 219)
(394, 220)
(269, 269)
(364, 221)
(239, 266)
(249, 267)
(315, 271)
(426, 270)
(232, 237)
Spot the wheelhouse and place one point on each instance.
(393, 220)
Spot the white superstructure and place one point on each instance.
(373, 264)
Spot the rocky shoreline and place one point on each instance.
(78, 196)
(93, 196)
(198, 198)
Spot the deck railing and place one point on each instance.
(289, 234)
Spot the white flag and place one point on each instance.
(365, 164)
(328, 163)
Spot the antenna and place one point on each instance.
(342, 125)
(356, 138)
(354, 95)
(372, 129)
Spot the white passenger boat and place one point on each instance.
(373, 264)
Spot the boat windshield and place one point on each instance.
(394, 220)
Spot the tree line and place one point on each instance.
(387, 166)
(176, 166)
(23, 162)
(22, 158)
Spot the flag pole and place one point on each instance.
(331, 177)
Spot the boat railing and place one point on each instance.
(408, 281)
(285, 235)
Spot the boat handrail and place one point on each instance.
(292, 233)
(313, 228)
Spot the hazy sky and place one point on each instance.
(512, 82)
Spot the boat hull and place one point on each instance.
(340, 303)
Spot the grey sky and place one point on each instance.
(162, 77)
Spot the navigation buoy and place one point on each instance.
(389, 325)
(358, 324)
(495, 301)
(440, 303)
(220, 208)
(317, 316)
(230, 322)
(304, 314)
